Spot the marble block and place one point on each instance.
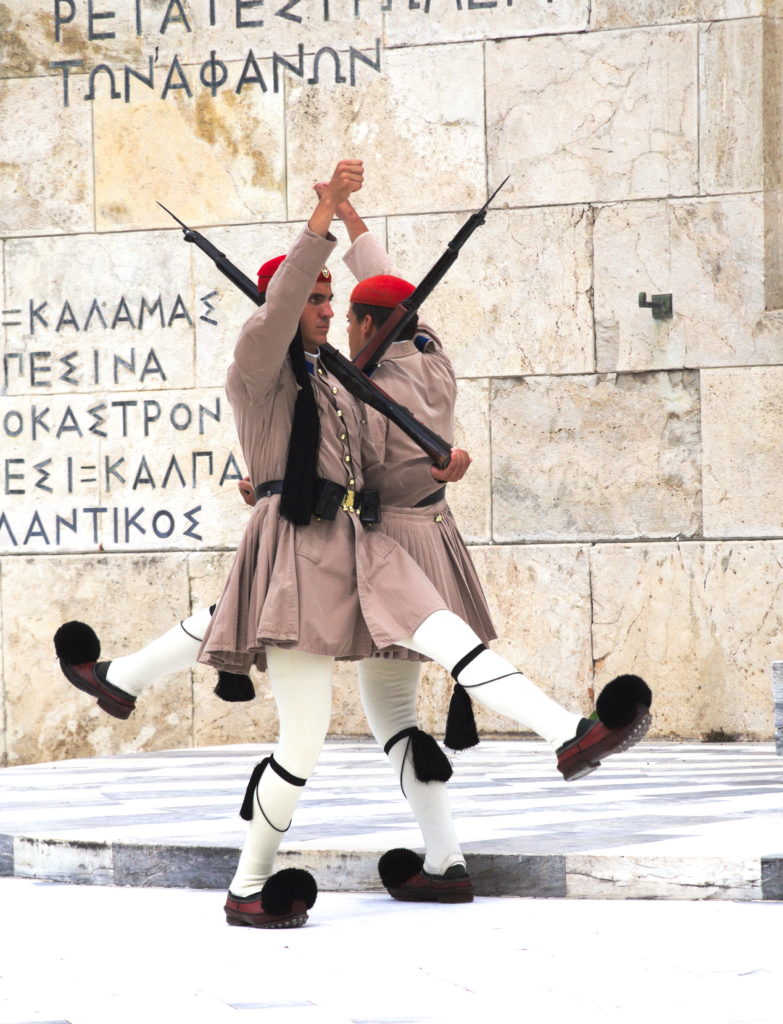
(128, 600)
(709, 254)
(701, 622)
(443, 21)
(44, 143)
(77, 863)
(731, 122)
(777, 700)
(586, 458)
(109, 312)
(742, 420)
(223, 159)
(606, 116)
(471, 499)
(423, 116)
(518, 299)
(605, 14)
(539, 599)
(663, 877)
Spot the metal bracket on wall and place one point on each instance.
(661, 305)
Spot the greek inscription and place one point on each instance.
(210, 308)
(156, 471)
(33, 369)
(213, 74)
(120, 525)
(124, 417)
(124, 312)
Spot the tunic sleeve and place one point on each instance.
(266, 335)
(367, 257)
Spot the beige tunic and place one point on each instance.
(418, 375)
(331, 587)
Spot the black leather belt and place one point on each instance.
(270, 487)
(267, 489)
(432, 499)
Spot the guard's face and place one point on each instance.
(359, 332)
(316, 316)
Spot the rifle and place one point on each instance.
(350, 374)
(372, 353)
(224, 265)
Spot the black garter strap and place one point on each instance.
(197, 638)
(430, 764)
(470, 656)
(399, 736)
(251, 793)
(292, 780)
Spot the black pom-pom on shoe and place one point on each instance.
(398, 865)
(77, 643)
(285, 887)
(402, 873)
(619, 701)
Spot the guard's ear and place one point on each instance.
(368, 326)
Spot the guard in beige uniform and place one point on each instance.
(417, 373)
(310, 583)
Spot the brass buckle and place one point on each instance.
(348, 501)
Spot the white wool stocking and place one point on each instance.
(388, 692)
(491, 680)
(302, 687)
(168, 653)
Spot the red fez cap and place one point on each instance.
(382, 290)
(267, 272)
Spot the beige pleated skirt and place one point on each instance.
(331, 588)
(431, 537)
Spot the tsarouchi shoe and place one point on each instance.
(78, 648)
(402, 873)
(623, 710)
(283, 901)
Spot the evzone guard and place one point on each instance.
(311, 583)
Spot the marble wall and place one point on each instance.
(624, 504)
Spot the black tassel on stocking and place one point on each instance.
(430, 764)
(234, 687)
(246, 810)
(461, 731)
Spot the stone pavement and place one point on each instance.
(80, 954)
(669, 821)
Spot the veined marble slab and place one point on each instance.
(664, 821)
